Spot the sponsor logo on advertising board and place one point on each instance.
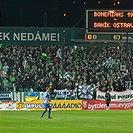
(101, 105)
(55, 104)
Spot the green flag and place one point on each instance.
(1, 45)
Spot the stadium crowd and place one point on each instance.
(26, 67)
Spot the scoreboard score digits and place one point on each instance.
(109, 20)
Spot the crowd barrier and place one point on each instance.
(65, 95)
(34, 101)
(67, 105)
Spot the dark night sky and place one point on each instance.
(32, 13)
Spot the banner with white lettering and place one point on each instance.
(81, 92)
(39, 35)
(5, 96)
(116, 96)
(65, 94)
(30, 35)
(18, 96)
(101, 105)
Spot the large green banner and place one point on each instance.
(30, 36)
(39, 35)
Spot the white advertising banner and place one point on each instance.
(7, 106)
(117, 96)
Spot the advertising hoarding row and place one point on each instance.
(67, 105)
(34, 100)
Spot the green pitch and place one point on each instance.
(67, 122)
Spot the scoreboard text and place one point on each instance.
(109, 20)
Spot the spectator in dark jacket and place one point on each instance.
(107, 99)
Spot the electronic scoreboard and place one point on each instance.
(109, 25)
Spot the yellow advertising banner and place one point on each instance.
(66, 104)
(55, 104)
(33, 105)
